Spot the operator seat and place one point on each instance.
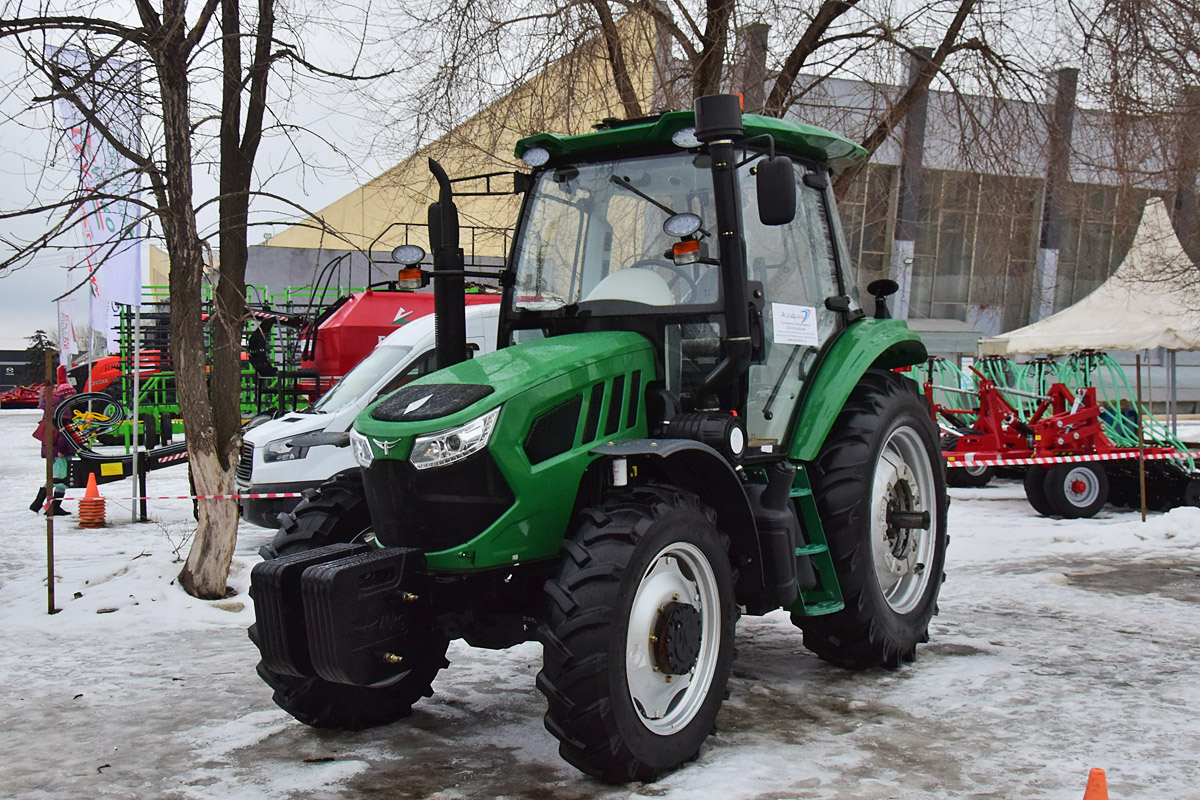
(636, 285)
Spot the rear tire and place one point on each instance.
(338, 513)
(639, 642)
(881, 457)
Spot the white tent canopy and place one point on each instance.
(1151, 301)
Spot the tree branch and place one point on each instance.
(808, 43)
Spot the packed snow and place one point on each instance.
(1060, 646)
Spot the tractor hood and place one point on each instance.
(461, 393)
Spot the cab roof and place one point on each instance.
(623, 138)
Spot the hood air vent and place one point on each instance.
(429, 401)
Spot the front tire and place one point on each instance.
(639, 642)
(338, 513)
(335, 513)
(880, 465)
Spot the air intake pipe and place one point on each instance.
(449, 287)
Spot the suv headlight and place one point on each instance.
(282, 450)
(361, 449)
(455, 444)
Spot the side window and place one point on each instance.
(422, 365)
(796, 266)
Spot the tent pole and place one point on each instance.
(1173, 377)
(1141, 443)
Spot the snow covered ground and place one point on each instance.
(1061, 646)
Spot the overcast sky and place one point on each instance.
(26, 147)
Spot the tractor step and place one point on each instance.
(826, 596)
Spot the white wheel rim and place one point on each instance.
(903, 558)
(679, 573)
(1081, 487)
(975, 471)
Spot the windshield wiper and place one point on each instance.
(670, 212)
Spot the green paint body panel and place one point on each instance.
(530, 379)
(638, 136)
(885, 343)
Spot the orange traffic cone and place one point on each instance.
(1097, 785)
(91, 507)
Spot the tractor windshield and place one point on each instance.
(594, 232)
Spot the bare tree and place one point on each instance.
(1141, 63)
(661, 55)
(176, 52)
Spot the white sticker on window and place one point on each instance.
(794, 324)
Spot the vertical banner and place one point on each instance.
(68, 344)
(108, 183)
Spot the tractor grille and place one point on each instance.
(245, 465)
(435, 509)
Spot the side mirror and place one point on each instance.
(776, 186)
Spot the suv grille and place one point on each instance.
(245, 465)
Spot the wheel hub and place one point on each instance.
(1078, 487)
(676, 638)
(904, 519)
(899, 537)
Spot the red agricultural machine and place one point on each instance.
(1061, 439)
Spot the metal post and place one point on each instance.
(49, 434)
(1141, 443)
(1173, 395)
(137, 390)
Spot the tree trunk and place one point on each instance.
(207, 566)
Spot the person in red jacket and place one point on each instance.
(60, 448)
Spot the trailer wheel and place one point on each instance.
(970, 477)
(1035, 491)
(1076, 491)
(1191, 493)
(1123, 487)
(639, 641)
(336, 513)
(880, 466)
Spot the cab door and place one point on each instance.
(797, 267)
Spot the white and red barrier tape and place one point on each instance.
(969, 459)
(266, 496)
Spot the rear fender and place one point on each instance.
(878, 343)
(700, 469)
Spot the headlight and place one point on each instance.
(361, 448)
(281, 450)
(446, 447)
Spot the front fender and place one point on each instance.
(881, 343)
(700, 469)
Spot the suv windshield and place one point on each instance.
(595, 232)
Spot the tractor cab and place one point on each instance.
(644, 243)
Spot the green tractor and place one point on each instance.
(690, 418)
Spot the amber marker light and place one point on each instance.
(686, 252)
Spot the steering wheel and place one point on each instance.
(679, 273)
